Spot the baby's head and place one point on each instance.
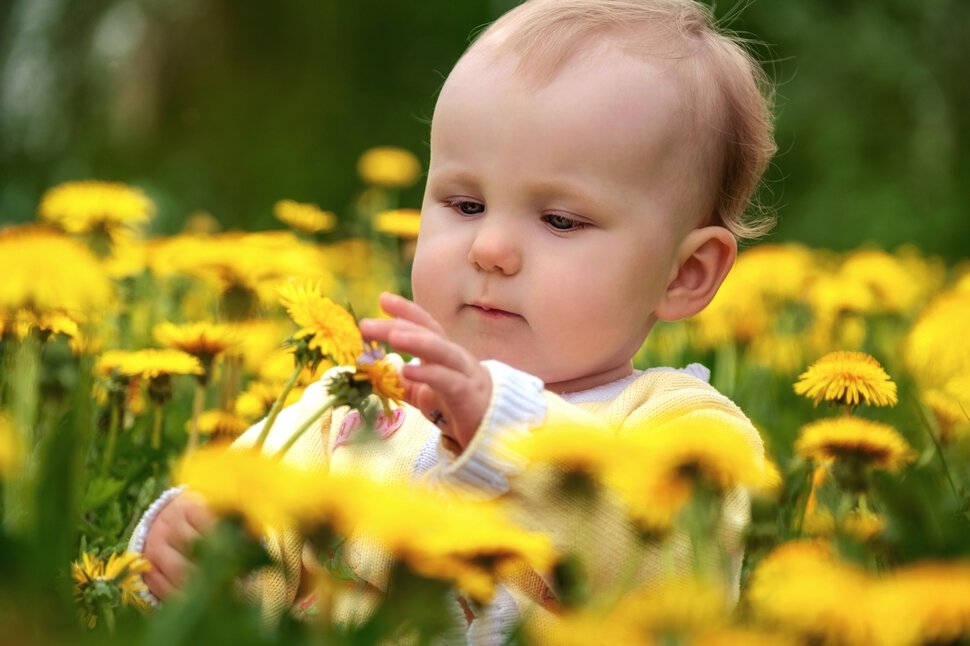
(591, 164)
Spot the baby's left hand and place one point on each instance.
(450, 386)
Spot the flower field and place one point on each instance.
(130, 361)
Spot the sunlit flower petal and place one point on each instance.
(849, 378)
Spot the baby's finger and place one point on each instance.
(402, 308)
(168, 570)
(199, 517)
(430, 348)
(445, 381)
(379, 329)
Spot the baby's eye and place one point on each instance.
(468, 207)
(562, 223)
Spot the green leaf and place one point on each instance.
(100, 491)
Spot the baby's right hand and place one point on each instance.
(169, 542)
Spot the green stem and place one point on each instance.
(278, 406)
(932, 430)
(113, 422)
(197, 404)
(157, 426)
(327, 405)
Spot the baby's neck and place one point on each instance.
(587, 382)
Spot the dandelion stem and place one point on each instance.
(197, 404)
(157, 426)
(278, 405)
(327, 405)
(932, 429)
(114, 420)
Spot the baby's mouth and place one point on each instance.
(492, 312)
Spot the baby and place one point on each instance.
(591, 163)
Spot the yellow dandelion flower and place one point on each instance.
(924, 603)
(389, 166)
(676, 606)
(934, 349)
(895, 288)
(328, 328)
(221, 425)
(430, 532)
(847, 378)
(573, 447)
(123, 571)
(48, 323)
(581, 628)
(403, 223)
(249, 264)
(666, 461)
(128, 257)
(734, 636)
(856, 440)
(86, 206)
(701, 447)
(254, 402)
(308, 218)
(147, 364)
(830, 294)
(382, 375)
(952, 415)
(802, 587)
(45, 271)
(200, 339)
(265, 492)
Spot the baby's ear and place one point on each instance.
(703, 261)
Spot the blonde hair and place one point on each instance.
(723, 79)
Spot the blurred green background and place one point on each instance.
(229, 105)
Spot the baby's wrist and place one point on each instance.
(140, 535)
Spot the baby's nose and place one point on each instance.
(495, 249)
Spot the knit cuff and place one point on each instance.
(137, 542)
(485, 465)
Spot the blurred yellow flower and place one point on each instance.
(255, 402)
(240, 261)
(403, 223)
(950, 406)
(856, 440)
(935, 349)
(20, 324)
(431, 532)
(201, 339)
(666, 461)
(147, 364)
(802, 587)
(308, 218)
(389, 166)
(924, 603)
(221, 426)
(265, 492)
(582, 628)
(848, 378)
(86, 206)
(45, 271)
(122, 571)
(677, 606)
(363, 270)
(328, 328)
(895, 288)
(10, 450)
(574, 448)
(830, 294)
